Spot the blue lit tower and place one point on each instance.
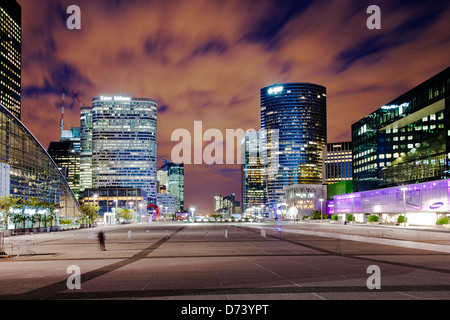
(294, 133)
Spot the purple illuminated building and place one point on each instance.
(422, 203)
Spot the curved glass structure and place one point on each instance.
(27, 169)
(294, 133)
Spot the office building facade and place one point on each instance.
(11, 56)
(170, 178)
(254, 194)
(121, 134)
(337, 162)
(67, 159)
(110, 200)
(294, 133)
(86, 148)
(405, 141)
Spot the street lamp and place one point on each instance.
(193, 211)
(321, 209)
(404, 206)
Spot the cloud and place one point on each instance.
(207, 60)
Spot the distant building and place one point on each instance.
(227, 205)
(86, 116)
(218, 202)
(254, 192)
(167, 204)
(337, 162)
(170, 179)
(68, 161)
(113, 198)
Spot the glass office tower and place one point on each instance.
(337, 162)
(10, 55)
(254, 195)
(294, 133)
(86, 148)
(405, 141)
(124, 143)
(170, 179)
(67, 159)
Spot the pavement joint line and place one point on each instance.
(390, 242)
(361, 257)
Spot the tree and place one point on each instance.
(6, 203)
(126, 214)
(89, 212)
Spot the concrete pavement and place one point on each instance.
(220, 261)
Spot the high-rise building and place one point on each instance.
(72, 135)
(171, 181)
(66, 154)
(405, 141)
(218, 202)
(11, 56)
(86, 148)
(294, 133)
(118, 143)
(337, 162)
(254, 195)
(68, 161)
(227, 205)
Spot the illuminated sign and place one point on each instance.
(394, 106)
(275, 90)
(115, 98)
(436, 205)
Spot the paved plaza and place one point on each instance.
(224, 261)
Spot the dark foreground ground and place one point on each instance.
(229, 263)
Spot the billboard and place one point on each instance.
(5, 178)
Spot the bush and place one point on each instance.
(442, 221)
(335, 217)
(373, 218)
(401, 219)
(316, 215)
(350, 217)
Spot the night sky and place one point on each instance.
(206, 60)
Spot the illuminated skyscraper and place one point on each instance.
(67, 159)
(294, 133)
(10, 55)
(123, 143)
(337, 162)
(86, 148)
(254, 195)
(171, 181)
